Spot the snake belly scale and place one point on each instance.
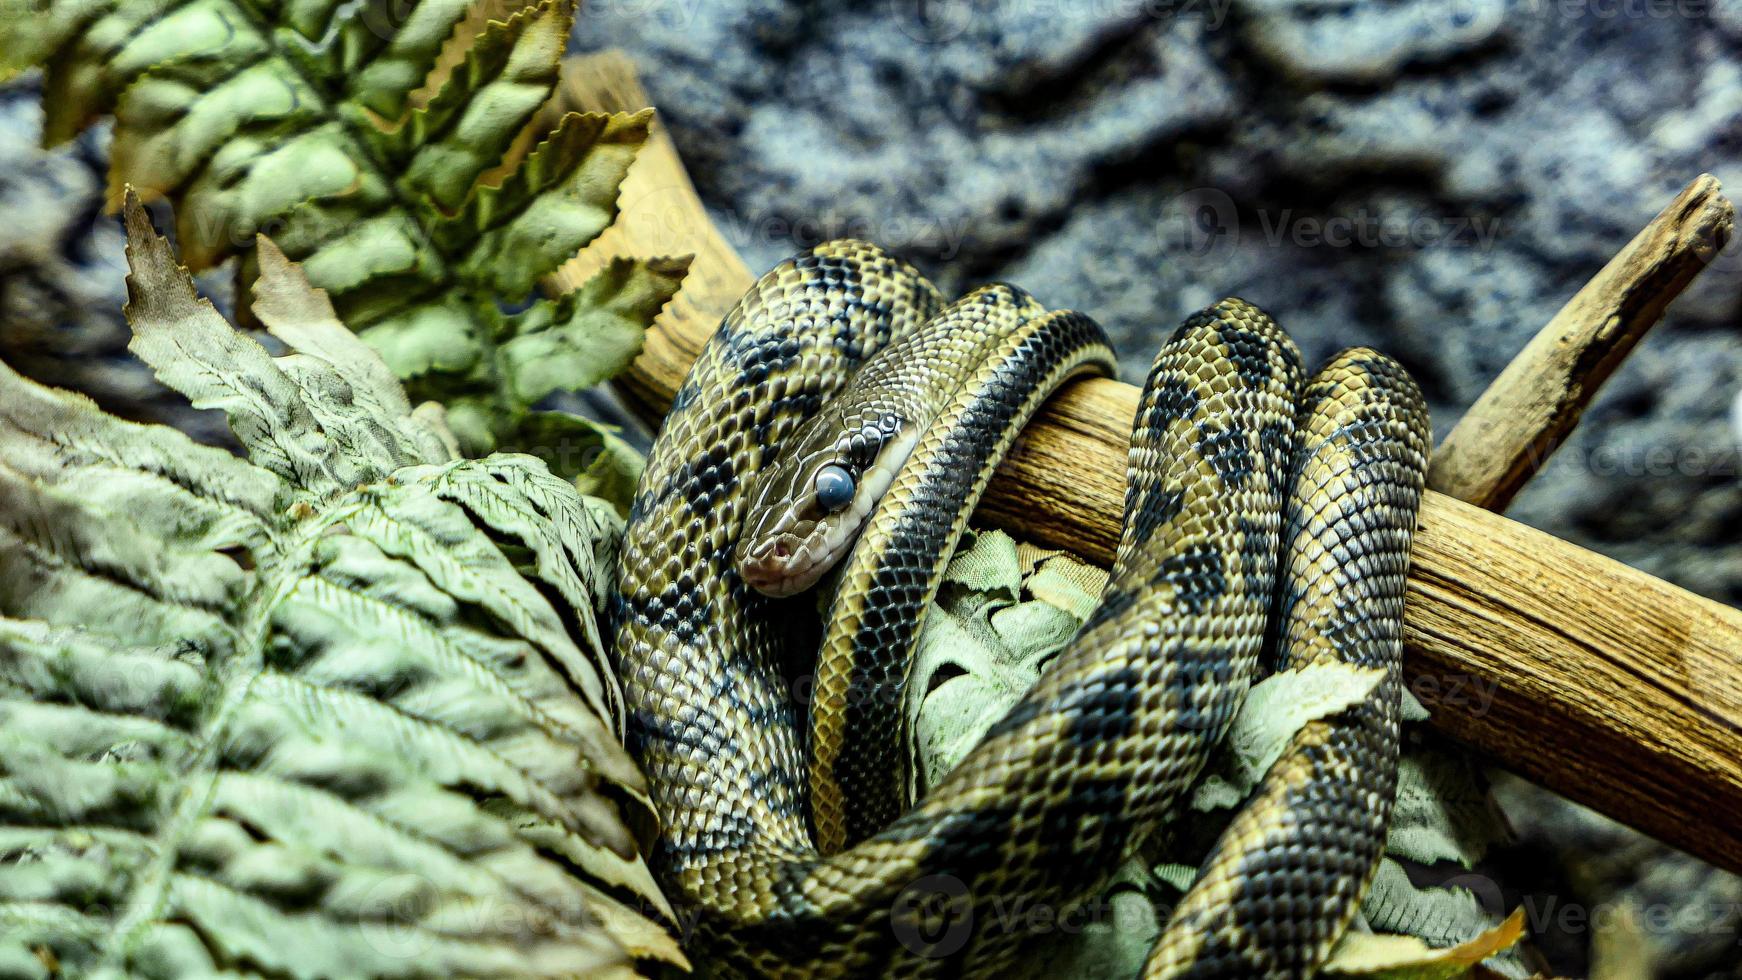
(1236, 459)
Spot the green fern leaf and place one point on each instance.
(380, 146)
(339, 708)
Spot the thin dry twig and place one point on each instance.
(1510, 431)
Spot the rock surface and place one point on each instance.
(63, 268)
(1433, 178)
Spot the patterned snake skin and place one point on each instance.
(1234, 461)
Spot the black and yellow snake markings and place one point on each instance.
(1268, 518)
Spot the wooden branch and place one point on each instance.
(1512, 429)
(1594, 679)
(1615, 688)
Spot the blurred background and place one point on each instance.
(1433, 178)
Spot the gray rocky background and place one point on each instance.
(1433, 178)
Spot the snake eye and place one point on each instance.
(834, 488)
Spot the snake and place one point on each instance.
(840, 426)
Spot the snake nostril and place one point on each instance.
(782, 551)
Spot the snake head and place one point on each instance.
(809, 507)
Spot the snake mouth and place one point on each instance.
(776, 567)
(788, 564)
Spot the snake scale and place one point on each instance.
(1268, 519)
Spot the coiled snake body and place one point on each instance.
(787, 855)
